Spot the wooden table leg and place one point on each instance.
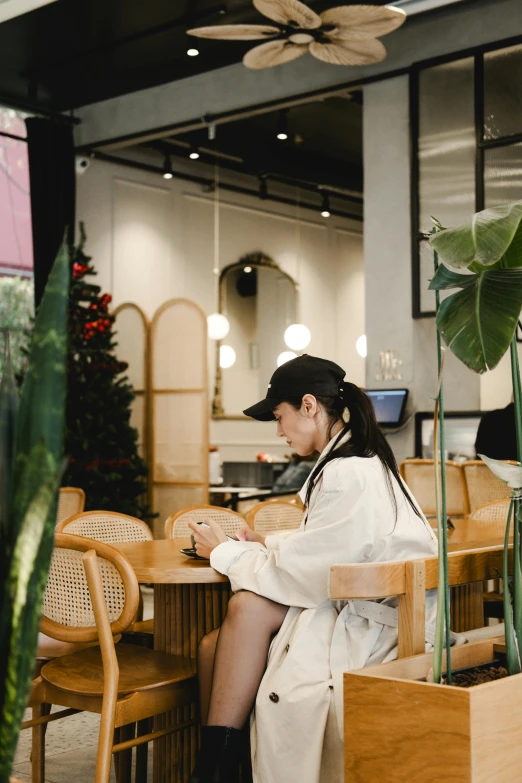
(183, 614)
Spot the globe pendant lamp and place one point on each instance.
(297, 337)
(218, 326)
(285, 356)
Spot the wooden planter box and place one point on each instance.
(400, 730)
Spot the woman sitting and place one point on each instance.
(284, 645)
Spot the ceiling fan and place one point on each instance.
(346, 35)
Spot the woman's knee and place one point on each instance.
(207, 645)
(245, 604)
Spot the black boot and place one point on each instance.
(218, 756)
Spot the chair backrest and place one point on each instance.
(67, 608)
(482, 485)
(274, 515)
(492, 512)
(176, 525)
(409, 580)
(71, 500)
(419, 475)
(106, 526)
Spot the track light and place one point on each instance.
(192, 52)
(193, 154)
(167, 168)
(325, 209)
(247, 270)
(282, 125)
(263, 188)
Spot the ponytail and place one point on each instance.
(354, 408)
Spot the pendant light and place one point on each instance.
(297, 336)
(218, 324)
(285, 356)
(167, 168)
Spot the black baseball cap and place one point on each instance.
(303, 375)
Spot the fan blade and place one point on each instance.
(373, 20)
(289, 12)
(357, 51)
(273, 53)
(236, 32)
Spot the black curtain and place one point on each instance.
(52, 176)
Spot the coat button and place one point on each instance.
(274, 697)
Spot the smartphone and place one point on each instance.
(229, 537)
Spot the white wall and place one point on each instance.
(152, 240)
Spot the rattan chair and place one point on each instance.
(176, 525)
(419, 475)
(71, 500)
(91, 596)
(482, 485)
(109, 527)
(273, 516)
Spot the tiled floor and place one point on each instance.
(71, 743)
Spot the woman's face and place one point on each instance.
(299, 427)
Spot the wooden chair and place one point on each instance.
(493, 515)
(71, 500)
(110, 527)
(176, 525)
(91, 596)
(482, 485)
(273, 516)
(409, 580)
(419, 475)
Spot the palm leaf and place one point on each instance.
(289, 12)
(469, 320)
(272, 53)
(371, 20)
(353, 51)
(486, 238)
(235, 32)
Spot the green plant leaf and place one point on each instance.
(445, 278)
(478, 322)
(486, 238)
(42, 399)
(8, 413)
(509, 474)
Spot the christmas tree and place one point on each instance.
(100, 442)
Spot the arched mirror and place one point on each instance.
(260, 302)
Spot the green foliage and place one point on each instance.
(468, 320)
(16, 319)
(31, 459)
(478, 324)
(101, 444)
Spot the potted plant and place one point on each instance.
(31, 464)
(423, 731)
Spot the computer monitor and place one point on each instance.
(389, 405)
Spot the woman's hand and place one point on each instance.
(247, 534)
(206, 538)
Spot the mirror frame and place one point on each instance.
(257, 259)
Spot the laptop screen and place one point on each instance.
(389, 405)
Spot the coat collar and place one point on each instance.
(335, 441)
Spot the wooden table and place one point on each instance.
(190, 599)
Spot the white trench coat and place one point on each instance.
(297, 722)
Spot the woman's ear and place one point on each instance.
(309, 405)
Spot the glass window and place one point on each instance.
(446, 144)
(502, 175)
(16, 242)
(503, 92)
